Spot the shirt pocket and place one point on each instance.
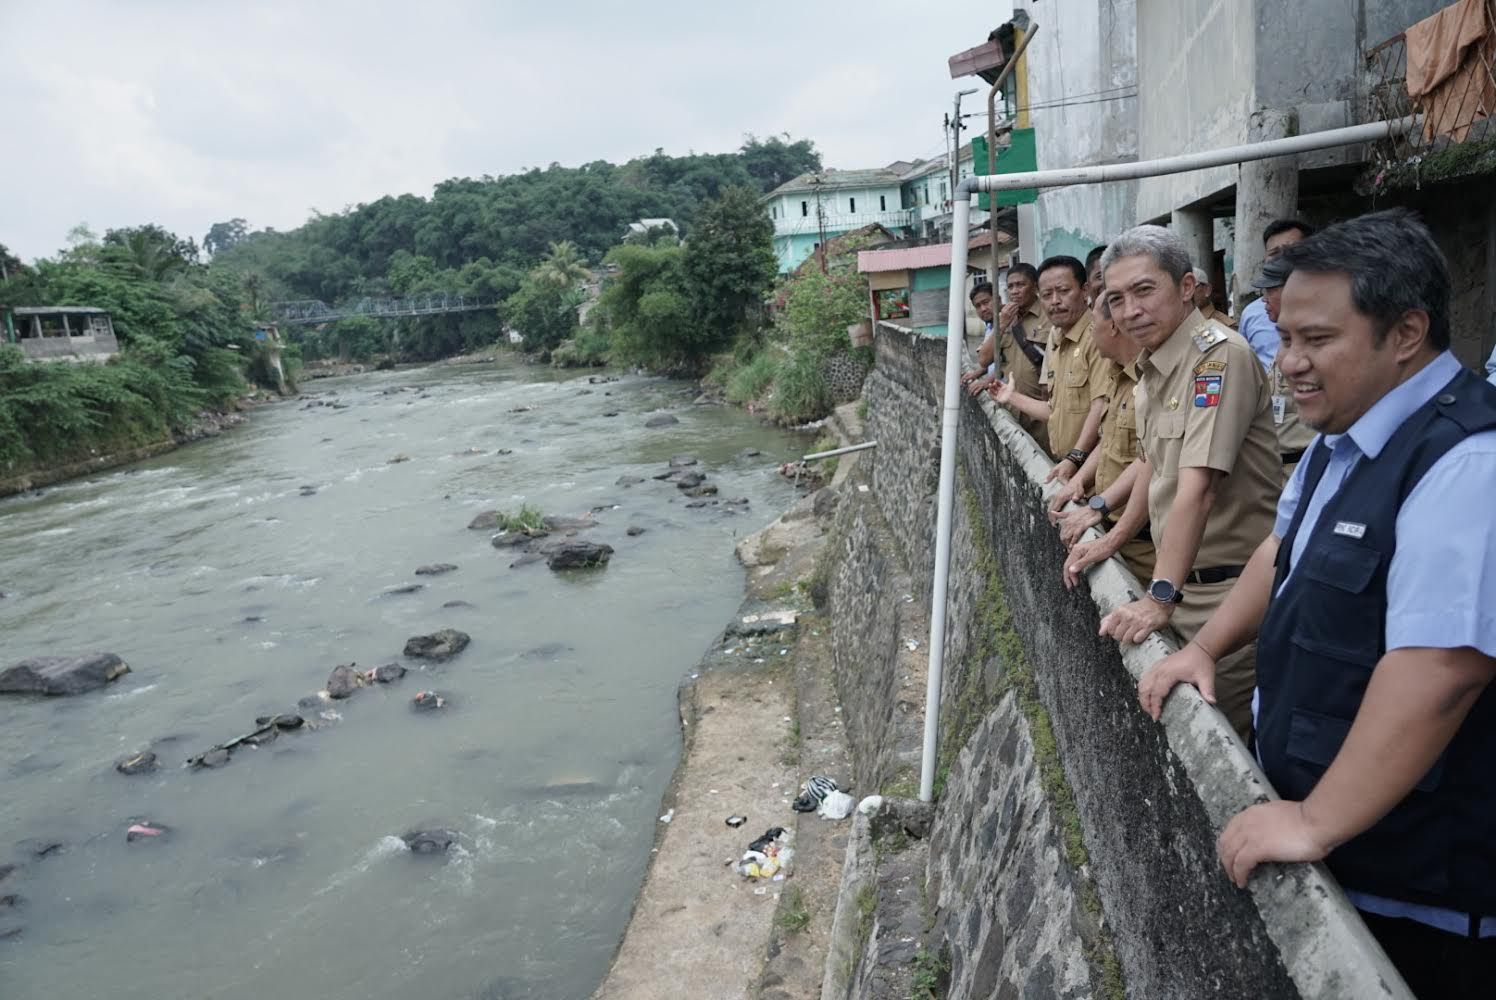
(1074, 381)
(1346, 622)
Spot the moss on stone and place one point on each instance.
(997, 640)
(1457, 160)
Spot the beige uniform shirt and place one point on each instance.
(1203, 402)
(1076, 374)
(1025, 372)
(1119, 429)
(1293, 435)
(1210, 312)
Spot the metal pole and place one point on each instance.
(997, 86)
(955, 333)
(840, 451)
(956, 144)
(956, 325)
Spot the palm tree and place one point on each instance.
(564, 264)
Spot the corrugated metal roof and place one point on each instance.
(53, 310)
(915, 258)
(835, 180)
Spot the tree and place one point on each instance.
(729, 263)
(772, 161)
(544, 310)
(563, 263)
(225, 235)
(149, 251)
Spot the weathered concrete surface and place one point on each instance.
(1147, 800)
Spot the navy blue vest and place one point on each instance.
(1323, 635)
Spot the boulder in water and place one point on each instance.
(387, 674)
(435, 569)
(634, 531)
(611, 413)
(459, 604)
(488, 520)
(663, 420)
(217, 757)
(527, 558)
(509, 539)
(285, 720)
(137, 763)
(689, 480)
(343, 681)
(428, 701)
(440, 645)
(629, 481)
(704, 490)
(681, 461)
(576, 554)
(61, 675)
(565, 524)
(404, 588)
(429, 841)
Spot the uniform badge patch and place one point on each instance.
(1207, 367)
(1208, 390)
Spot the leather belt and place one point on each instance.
(1289, 457)
(1145, 533)
(1215, 574)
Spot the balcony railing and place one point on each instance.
(841, 222)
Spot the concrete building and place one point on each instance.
(60, 333)
(827, 203)
(910, 286)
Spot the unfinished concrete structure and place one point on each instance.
(60, 333)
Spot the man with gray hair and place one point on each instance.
(1209, 473)
(1205, 300)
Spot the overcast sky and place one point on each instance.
(186, 113)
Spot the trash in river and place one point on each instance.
(669, 815)
(816, 788)
(836, 805)
(736, 821)
(768, 856)
(143, 829)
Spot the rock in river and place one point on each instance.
(137, 763)
(429, 841)
(428, 701)
(62, 674)
(343, 681)
(681, 461)
(634, 531)
(704, 490)
(663, 420)
(387, 674)
(576, 554)
(689, 480)
(488, 520)
(441, 645)
(628, 481)
(435, 569)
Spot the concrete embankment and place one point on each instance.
(1072, 848)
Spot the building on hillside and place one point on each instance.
(819, 205)
(910, 286)
(60, 333)
(926, 191)
(645, 229)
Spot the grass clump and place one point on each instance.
(528, 520)
(749, 381)
(931, 976)
(794, 915)
(800, 390)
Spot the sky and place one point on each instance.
(189, 113)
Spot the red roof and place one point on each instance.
(915, 258)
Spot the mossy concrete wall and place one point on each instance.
(1043, 744)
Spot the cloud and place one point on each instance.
(188, 113)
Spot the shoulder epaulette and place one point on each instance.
(1209, 336)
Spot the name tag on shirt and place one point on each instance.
(1280, 408)
(1350, 529)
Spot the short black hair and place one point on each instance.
(1027, 270)
(1094, 256)
(1076, 267)
(1279, 226)
(1394, 266)
(981, 286)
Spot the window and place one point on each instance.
(804, 208)
(882, 203)
(852, 205)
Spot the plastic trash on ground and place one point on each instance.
(870, 805)
(816, 788)
(836, 805)
(768, 857)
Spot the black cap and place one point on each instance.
(1274, 274)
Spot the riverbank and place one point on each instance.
(208, 424)
(758, 716)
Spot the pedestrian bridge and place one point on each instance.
(304, 312)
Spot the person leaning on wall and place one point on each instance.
(1373, 606)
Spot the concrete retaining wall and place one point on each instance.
(1073, 848)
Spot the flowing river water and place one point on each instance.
(232, 595)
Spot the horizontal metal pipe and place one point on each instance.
(840, 451)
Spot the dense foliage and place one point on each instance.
(184, 344)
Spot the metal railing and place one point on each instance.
(309, 311)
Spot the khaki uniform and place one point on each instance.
(1025, 372)
(1119, 447)
(1075, 374)
(1293, 435)
(1204, 403)
(1210, 312)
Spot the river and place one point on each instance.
(232, 595)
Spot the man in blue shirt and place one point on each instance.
(1491, 367)
(1259, 330)
(1373, 605)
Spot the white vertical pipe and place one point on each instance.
(955, 337)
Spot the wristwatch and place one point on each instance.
(1165, 592)
(1099, 505)
(1077, 456)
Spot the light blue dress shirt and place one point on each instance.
(1441, 586)
(1261, 332)
(1491, 367)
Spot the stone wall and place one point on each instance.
(1073, 847)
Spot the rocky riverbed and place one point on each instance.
(236, 577)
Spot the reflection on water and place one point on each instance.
(234, 574)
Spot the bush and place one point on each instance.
(750, 381)
(800, 390)
(528, 520)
